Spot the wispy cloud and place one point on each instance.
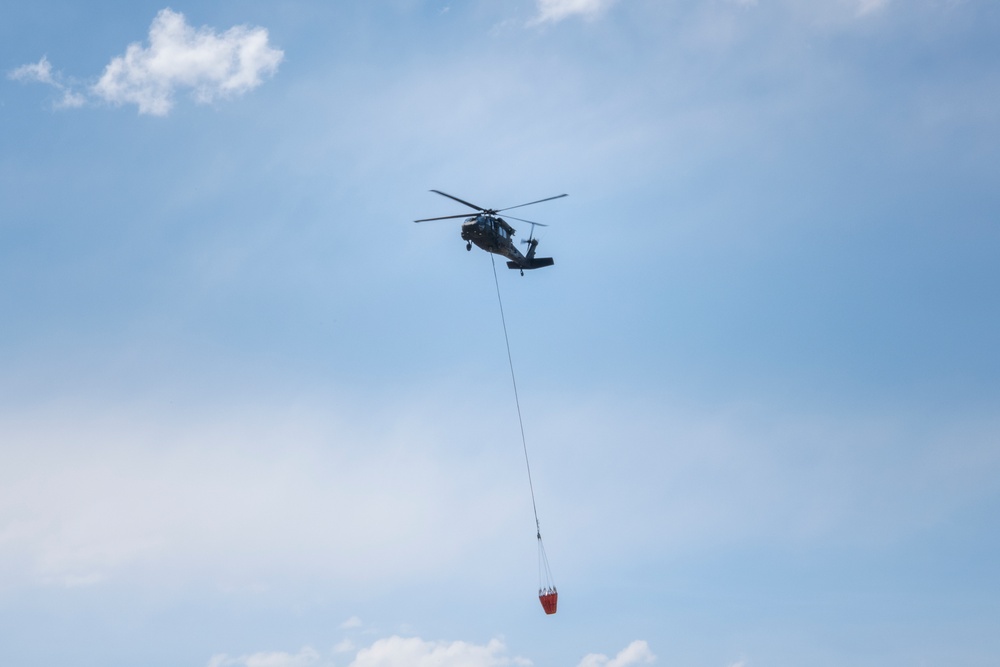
(209, 64)
(553, 11)
(399, 651)
(41, 72)
(84, 521)
(344, 646)
(307, 657)
(636, 653)
(352, 622)
(866, 7)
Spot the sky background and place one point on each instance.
(252, 416)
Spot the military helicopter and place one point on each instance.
(492, 233)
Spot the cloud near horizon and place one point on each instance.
(179, 57)
(636, 653)
(396, 651)
(307, 657)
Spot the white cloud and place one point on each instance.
(307, 657)
(636, 653)
(415, 652)
(557, 10)
(179, 57)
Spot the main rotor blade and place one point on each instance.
(537, 224)
(446, 217)
(519, 205)
(460, 201)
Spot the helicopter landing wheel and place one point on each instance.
(468, 246)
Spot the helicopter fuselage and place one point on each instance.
(493, 234)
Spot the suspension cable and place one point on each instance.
(517, 402)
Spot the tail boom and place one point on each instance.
(532, 263)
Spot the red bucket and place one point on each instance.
(549, 601)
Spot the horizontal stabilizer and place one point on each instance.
(533, 263)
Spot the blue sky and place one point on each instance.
(251, 415)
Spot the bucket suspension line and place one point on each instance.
(547, 593)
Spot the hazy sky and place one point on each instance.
(252, 416)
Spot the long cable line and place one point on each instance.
(547, 590)
(517, 402)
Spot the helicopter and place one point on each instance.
(492, 233)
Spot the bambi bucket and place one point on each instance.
(549, 601)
